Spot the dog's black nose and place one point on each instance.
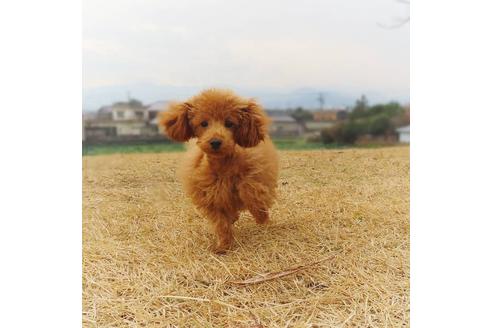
(215, 143)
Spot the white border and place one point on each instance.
(40, 173)
(450, 164)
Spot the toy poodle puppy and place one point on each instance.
(232, 166)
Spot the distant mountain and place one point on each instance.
(94, 98)
(306, 98)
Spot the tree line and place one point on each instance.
(380, 120)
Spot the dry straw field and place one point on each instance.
(342, 215)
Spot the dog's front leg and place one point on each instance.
(223, 231)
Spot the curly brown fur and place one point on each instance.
(239, 174)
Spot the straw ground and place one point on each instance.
(146, 262)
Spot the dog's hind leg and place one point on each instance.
(255, 197)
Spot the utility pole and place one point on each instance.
(321, 100)
(128, 95)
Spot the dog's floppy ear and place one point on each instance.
(252, 127)
(176, 121)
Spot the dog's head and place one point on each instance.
(218, 119)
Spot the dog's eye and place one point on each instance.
(204, 124)
(228, 124)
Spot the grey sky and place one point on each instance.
(251, 44)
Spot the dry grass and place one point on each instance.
(146, 263)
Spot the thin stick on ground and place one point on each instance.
(275, 275)
(187, 298)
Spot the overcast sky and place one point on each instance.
(330, 44)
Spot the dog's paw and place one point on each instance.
(220, 250)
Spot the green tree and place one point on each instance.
(301, 115)
(389, 109)
(360, 108)
(379, 125)
(377, 120)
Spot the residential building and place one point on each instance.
(404, 134)
(120, 121)
(330, 115)
(154, 110)
(284, 126)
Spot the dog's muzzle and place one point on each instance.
(215, 144)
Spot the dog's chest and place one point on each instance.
(218, 190)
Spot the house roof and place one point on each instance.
(109, 109)
(403, 129)
(105, 109)
(158, 105)
(86, 115)
(276, 112)
(282, 119)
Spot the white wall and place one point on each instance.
(129, 114)
(404, 137)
